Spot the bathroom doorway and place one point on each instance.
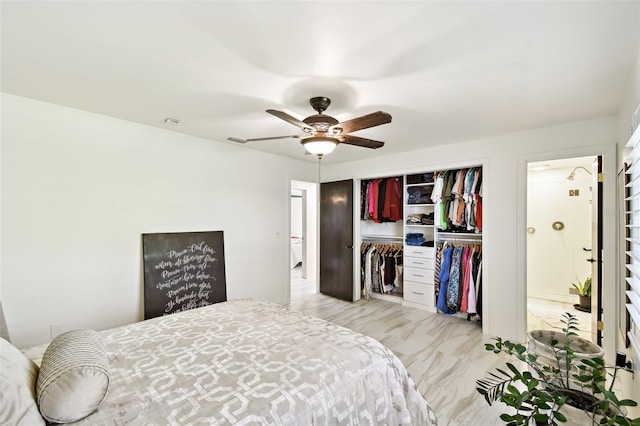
(562, 243)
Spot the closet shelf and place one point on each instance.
(420, 205)
(369, 237)
(419, 184)
(418, 226)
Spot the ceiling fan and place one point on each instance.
(322, 133)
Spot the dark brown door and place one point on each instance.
(336, 239)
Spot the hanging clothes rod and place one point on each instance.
(460, 240)
(381, 237)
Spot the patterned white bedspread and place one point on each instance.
(251, 362)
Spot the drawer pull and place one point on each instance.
(419, 294)
(418, 275)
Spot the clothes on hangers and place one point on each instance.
(458, 281)
(381, 199)
(444, 280)
(457, 195)
(381, 268)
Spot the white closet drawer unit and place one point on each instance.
(420, 251)
(419, 293)
(424, 276)
(419, 262)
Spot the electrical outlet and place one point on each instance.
(573, 290)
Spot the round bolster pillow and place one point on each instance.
(74, 376)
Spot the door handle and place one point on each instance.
(591, 260)
(349, 246)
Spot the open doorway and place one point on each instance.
(562, 243)
(304, 240)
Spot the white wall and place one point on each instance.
(504, 182)
(79, 189)
(628, 104)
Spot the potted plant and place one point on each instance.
(540, 392)
(584, 291)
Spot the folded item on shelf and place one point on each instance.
(415, 239)
(420, 219)
(419, 194)
(420, 178)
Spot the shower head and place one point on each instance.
(572, 175)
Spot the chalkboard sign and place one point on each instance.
(182, 271)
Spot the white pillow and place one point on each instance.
(18, 375)
(74, 376)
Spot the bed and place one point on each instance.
(296, 251)
(251, 362)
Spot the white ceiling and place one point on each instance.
(445, 71)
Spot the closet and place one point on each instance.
(381, 249)
(419, 241)
(457, 198)
(433, 253)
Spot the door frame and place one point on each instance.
(597, 168)
(609, 153)
(311, 237)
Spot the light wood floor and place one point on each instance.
(444, 355)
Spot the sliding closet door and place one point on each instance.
(336, 239)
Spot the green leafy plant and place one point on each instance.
(539, 393)
(583, 288)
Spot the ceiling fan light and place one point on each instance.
(319, 145)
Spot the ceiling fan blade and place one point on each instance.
(363, 142)
(270, 138)
(289, 119)
(364, 122)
